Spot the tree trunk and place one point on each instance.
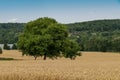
(45, 57)
(35, 57)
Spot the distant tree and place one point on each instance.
(14, 47)
(44, 37)
(116, 44)
(0, 50)
(6, 47)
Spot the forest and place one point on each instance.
(9, 32)
(98, 35)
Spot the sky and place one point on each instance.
(64, 11)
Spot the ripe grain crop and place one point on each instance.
(90, 66)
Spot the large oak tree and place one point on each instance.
(45, 37)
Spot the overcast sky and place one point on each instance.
(64, 11)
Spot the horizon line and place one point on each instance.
(68, 22)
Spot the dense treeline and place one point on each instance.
(95, 26)
(101, 35)
(9, 32)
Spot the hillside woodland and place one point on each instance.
(9, 32)
(99, 35)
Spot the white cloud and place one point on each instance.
(13, 20)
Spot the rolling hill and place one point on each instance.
(98, 35)
(9, 32)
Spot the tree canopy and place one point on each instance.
(46, 37)
(99, 35)
(9, 32)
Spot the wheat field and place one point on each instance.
(90, 66)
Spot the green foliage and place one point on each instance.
(0, 50)
(116, 44)
(9, 32)
(95, 26)
(71, 49)
(100, 35)
(6, 47)
(14, 47)
(44, 37)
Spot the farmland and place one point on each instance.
(90, 66)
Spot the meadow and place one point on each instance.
(90, 66)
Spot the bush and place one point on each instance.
(6, 47)
(14, 47)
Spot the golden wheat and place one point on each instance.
(91, 66)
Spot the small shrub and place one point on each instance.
(14, 47)
(6, 47)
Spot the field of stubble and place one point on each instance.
(91, 66)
